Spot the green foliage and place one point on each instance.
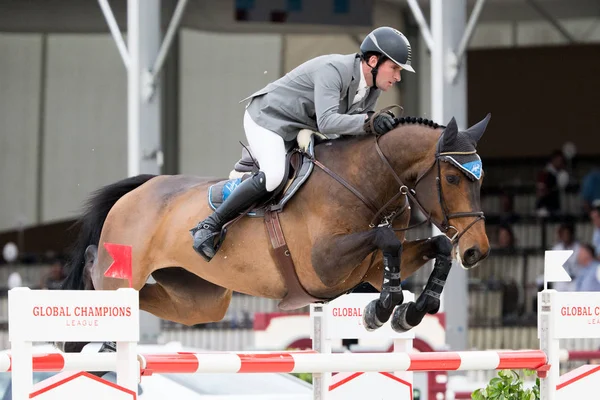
(305, 376)
(508, 385)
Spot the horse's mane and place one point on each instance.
(402, 121)
(420, 121)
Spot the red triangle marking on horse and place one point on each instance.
(121, 265)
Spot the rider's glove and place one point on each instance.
(382, 123)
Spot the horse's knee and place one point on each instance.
(387, 241)
(443, 245)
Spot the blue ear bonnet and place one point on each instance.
(461, 153)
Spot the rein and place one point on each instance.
(404, 191)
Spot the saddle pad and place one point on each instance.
(219, 192)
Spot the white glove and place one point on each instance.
(303, 139)
(304, 135)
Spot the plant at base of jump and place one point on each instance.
(508, 385)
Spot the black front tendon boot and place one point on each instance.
(245, 195)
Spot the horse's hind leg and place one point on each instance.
(408, 315)
(182, 297)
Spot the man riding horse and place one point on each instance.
(332, 94)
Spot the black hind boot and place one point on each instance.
(245, 195)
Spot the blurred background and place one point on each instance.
(64, 125)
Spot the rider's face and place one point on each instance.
(388, 73)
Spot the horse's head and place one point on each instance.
(449, 191)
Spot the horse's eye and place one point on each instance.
(453, 179)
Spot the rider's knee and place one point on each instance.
(274, 178)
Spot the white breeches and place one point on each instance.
(269, 150)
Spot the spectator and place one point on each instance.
(506, 238)
(588, 275)
(549, 183)
(590, 190)
(507, 209)
(595, 217)
(566, 241)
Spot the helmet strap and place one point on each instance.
(375, 70)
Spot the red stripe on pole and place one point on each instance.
(172, 363)
(442, 361)
(521, 359)
(581, 355)
(275, 362)
(48, 362)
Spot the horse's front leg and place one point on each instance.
(378, 311)
(335, 257)
(408, 315)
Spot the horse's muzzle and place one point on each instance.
(472, 256)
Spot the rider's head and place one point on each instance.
(386, 51)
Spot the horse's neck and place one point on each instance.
(407, 148)
(410, 149)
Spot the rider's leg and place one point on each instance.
(269, 150)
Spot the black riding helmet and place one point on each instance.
(391, 44)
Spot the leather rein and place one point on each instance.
(404, 191)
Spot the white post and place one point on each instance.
(143, 139)
(549, 344)
(22, 369)
(321, 344)
(128, 368)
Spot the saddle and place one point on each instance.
(299, 166)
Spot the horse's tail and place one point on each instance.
(90, 224)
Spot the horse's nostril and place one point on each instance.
(472, 255)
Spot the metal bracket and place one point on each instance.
(455, 59)
(154, 154)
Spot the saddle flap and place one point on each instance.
(298, 169)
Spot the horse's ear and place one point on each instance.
(476, 131)
(449, 136)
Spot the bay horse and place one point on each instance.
(344, 226)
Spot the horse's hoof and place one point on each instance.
(370, 320)
(398, 322)
(108, 347)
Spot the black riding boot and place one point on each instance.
(246, 194)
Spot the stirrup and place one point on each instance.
(216, 246)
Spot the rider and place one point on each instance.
(332, 94)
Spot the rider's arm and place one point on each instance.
(328, 88)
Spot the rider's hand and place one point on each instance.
(382, 123)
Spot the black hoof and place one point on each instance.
(370, 320)
(399, 323)
(108, 347)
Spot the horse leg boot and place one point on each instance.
(245, 195)
(379, 311)
(410, 314)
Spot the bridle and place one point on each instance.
(410, 193)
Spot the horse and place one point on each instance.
(344, 226)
